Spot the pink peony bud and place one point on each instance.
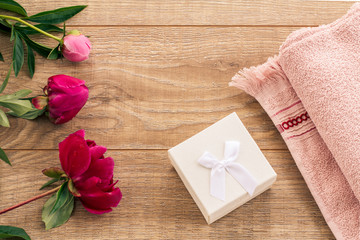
(90, 173)
(76, 47)
(66, 96)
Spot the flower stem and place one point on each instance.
(30, 200)
(31, 26)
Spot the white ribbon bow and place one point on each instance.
(239, 172)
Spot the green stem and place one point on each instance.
(31, 26)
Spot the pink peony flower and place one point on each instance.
(65, 97)
(76, 47)
(91, 175)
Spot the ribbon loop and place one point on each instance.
(208, 160)
(231, 151)
(218, 169)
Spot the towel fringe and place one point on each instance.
(252, 80)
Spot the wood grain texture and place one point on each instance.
(199, 12)
(158, 74)
(152, 88)
(156, 204)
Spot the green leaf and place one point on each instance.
(53, 172)
(56, 16)
(72, 189)
(64, 31)
(5, 23)
(40, 49)
(30, 60)
(30, 115)
(19, 107)
(18, 54)
(55, 53)
(19, 94)
(5, 82)
(22, 93)
(1, 57)
(10, 231)
(13, 6)
(61, 197)
(4, 28)
(12, 34)
(4, 157)
(58, 208)
(45, 27)
(51, 181)
(4, 121)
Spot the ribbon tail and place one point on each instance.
(217, 183)
(243, 176)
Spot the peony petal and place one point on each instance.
(65, 106)
(101, 201)
(66, 96)
(75, 57)
(74, 155)
(77, 44)
(95, 211)
(65, 117)
(80, 133)
(90, 143)
(61, 81)
(87, 184)
(69, 99)
(97, 152)
(109, 187)
(76, 48)
(96, 200)
(101, 168)
(87, 42)
(68, 110)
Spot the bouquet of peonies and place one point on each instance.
(63, 99)
(85, 174)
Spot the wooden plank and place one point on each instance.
(153, 87)
(156, 205)
(200, 12)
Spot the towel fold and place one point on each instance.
(311, 91)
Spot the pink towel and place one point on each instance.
(311, 91)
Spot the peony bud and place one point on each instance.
(66, 96)
(76, 47)
(40, 102)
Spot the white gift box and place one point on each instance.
(197, 178)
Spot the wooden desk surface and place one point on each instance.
(158, 74)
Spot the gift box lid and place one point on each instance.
(184, 157)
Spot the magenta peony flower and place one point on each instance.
(76, 47)
(65, 96)
(91, 175)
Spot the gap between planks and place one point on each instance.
(135, 149)
(199, 26)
